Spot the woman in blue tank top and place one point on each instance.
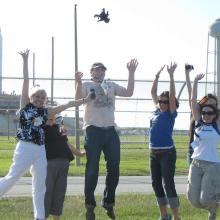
(162, 150)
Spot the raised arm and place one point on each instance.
(194, 104)
(25, 87)
(56, 110)
(75, 151)
(172, 99)
(188, 82)
(154, 86)
(78, 78)
(181, 90)
(131, 66)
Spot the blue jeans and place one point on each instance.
(162, 167)
(98, 140)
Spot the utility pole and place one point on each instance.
(77, 132)
(33, 69)
(52, 72)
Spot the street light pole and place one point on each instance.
(33, 69)
(52, 72)
(77, 133)
(8, 123)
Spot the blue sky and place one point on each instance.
(155, 32)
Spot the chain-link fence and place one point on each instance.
(132, 115)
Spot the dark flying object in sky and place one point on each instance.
(103, 16)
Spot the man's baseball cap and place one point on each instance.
(98, 65)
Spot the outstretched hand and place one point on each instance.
(78, 77)
(132, 65)
(82, 153)
(24, 53)
(199, 76)
(161, 69)
(171, 68)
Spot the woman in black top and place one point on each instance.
(59, 153)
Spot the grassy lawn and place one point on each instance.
(134, 156)
(134, 161)
(128, 207)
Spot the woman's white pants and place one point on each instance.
(29, 156)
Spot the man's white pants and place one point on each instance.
(29, 156)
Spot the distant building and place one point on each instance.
(9, 104)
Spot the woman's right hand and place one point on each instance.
(24, 53)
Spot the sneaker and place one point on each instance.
(212, 216)
(213, 212)
(166, 217)
(110, 212)
(90, 215)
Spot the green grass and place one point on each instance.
(134, 156)
(134, 161)
(128, 207)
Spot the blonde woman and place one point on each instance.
(30, 149)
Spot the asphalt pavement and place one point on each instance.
(127, 184)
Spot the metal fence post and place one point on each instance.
(77, 133)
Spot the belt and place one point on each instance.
(158, 151)
(101, 128)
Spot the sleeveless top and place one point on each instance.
(161, 129)
(31, 122)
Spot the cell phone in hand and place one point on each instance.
(93, 95)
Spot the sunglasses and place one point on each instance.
(208, 113)
(206, 98)
(163, 101)
(203, 100)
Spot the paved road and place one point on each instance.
(127, 184)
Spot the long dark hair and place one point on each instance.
(167, 95)
(205, 98)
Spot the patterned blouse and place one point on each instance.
(31, 122)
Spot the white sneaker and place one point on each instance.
(212, 216)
